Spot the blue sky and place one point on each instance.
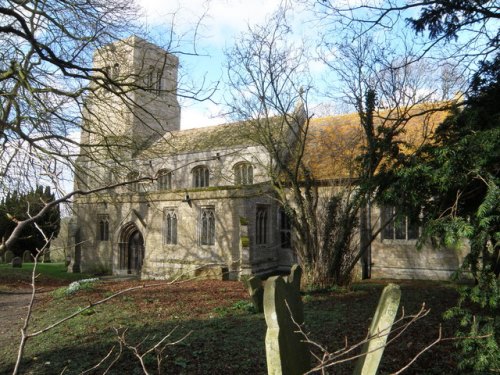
(221, 21)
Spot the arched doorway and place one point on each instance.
(131, 249)
(135, 252)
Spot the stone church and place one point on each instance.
(208, 210)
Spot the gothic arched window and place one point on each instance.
(103, 230)
(207, 226)
(201, 176)
(164, 180)
(243, 174)
(170, 227)
(261, 225)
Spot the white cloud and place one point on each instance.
(201, 115)
(222, 22)
(223, 18)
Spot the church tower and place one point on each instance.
(141, 105)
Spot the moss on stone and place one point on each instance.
(245, 241)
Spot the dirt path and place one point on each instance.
(13, 308)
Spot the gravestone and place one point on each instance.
(379, 331)
(286, 353)
(17, 262)
(46, 256)
(27, 257)
(211, 273)
(256, 291)
(9, 255)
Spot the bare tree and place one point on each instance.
(46, 74)
(393, 94)
(55, 68)
(268, 83)
(460, 34)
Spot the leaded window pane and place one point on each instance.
(387, 217)
(412, 229)
(103, 234)
(399, 227)
(261, 225)
(201, 177)
(243, 174)
(170, 235)
(165, 180)
(207, 235)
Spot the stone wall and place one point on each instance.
(146, 212)
(400, 259)
(404, 261)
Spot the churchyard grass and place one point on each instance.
(52, 274)
(227, 337)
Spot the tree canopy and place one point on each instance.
(455, 183)
(20, 206)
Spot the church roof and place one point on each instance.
(203, 139)
(333, 142)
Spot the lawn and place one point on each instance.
(225, 336)
(49, 274)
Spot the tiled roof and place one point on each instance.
(333, 142)
(217, 137)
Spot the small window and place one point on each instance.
(261, 225)
(103, 230)
(116, 71)
(107, 177)
(150, 78)
(207, 226)
(170, 227)
(164, 180)
(201, 177)
(159, 83)
(133, 186)
(243, 174)
(399, 227)
(285, 230)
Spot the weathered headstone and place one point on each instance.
(211, 273)
(27, 256)
(46, 256)
(17, 262)
(256, 291)
(286, 353)
(379, 331)
(9, 255)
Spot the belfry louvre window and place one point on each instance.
(400, 227)
(103, 228)
(149, 79)
(207, 226)
(261, 225)
(170, 227)
(243, 174)
(116, 71)
(201, 176)
(159, 82)
(164, 180)
(133, 186)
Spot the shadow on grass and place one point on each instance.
(225, 341)
(215, 346)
